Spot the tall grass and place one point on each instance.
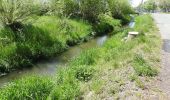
(30, 88)
(46, 37)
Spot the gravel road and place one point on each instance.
(163, 23)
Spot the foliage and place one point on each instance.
(164, 5)
(107, 24)
(39, 41)
(12, 12)
(120, 9)
(150, 5)
(91, 9)
(29, 88)
(84, 73)
(94, 69)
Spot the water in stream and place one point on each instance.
(49, 67)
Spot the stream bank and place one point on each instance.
(50, 67)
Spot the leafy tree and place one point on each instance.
(120, 9)
(164, 5)
(150, 5)
(14, 12)
(90, 9)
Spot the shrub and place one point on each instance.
(107, 24)
(84, 73)
(29, 88)
(90, 9)
(120, 9)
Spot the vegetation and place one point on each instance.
(160, 5)
(31, 32)
(103, 71)
(13, 12)
(39, 41)
(37, 88)
(150, 5)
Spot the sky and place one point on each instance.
(135, 3)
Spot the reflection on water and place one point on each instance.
(132, 22)
(49, 67)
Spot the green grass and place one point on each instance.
(104, 71)
(142, 68)
(29, 88)
(46, 37)
(67, 30)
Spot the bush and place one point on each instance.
(120, 9)
(30, 88)
(107, 24)
(84, 73)
(90, 9)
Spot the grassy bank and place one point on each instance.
(117, 70)
(39, 39)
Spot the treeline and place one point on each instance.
(159, 5)
(13, 11)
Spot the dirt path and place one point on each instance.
(163, 23)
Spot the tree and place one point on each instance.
(14, 12)
(120, 9)
(164, 5)
(90, 9)
(150, 5)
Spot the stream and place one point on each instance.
(50, 67)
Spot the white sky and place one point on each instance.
(136, 2)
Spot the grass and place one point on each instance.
(142, 68)
(45, 37)
(104, 71)
(29, 88)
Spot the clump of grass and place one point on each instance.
(37, 88)
(97, 85)
(67, 86)
(142, 68)
(84, 73)
(144, 23)
(137, 81)
(88, 57)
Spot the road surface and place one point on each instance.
(163, 23)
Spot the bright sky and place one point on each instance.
(136, 2)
